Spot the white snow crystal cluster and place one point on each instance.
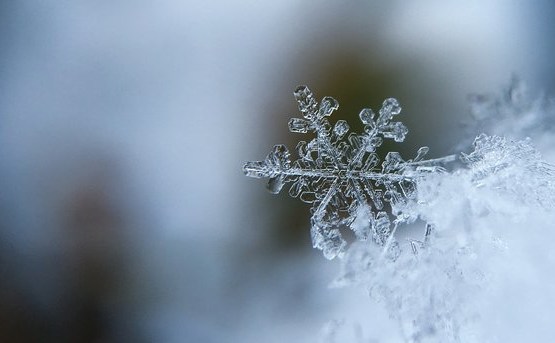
(482, 270)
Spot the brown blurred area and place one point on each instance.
(85, 268)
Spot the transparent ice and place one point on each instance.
(341, 174)
(482, 270)
(490, 248)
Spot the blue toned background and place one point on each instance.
(124, 213)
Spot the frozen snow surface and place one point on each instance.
(481, 267)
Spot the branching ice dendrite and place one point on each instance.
(341, 176)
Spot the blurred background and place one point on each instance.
(124, 212)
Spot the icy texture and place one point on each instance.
(500, 163)
(340, 174)
(482, 269)
(487, 247)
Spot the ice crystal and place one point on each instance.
(488, 232)
(485, 215)
(490, 215)
(513, 166)
(340, 174)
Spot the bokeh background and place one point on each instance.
(124, 212)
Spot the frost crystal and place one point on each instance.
(490, 216)
(512, 166)
(341, 176)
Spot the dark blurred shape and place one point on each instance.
(94, 256)
(86, 267)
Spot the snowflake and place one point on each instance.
(341, 176)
